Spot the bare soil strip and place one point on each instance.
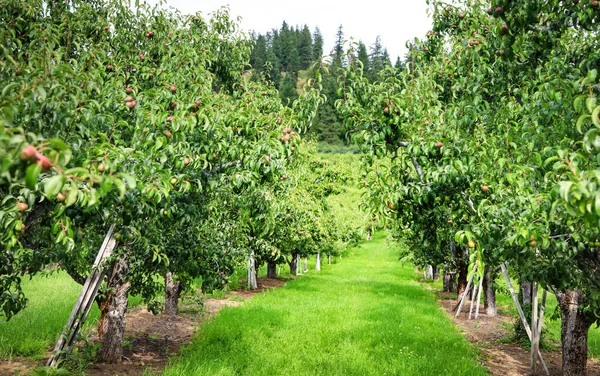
(503, 359)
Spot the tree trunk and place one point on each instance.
(329, 258)
(428, 273)
(318, 262)
(449, 279)
(525, 291)
(294, 264)
(252, 272)
(574, 333)
(112, 313)
(369, 235)
(436, 273)
(306, 265)
(172, 293)
(271, 269)
(489, 292)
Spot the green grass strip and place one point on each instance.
(367, 315)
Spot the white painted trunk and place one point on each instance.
(428, 274)
(252, 272)
(318, 262)
(298, 268)
(329, 259)
(306, 265)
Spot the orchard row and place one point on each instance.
(485, 150)
(144, 118)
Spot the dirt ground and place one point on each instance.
(503, 359)
(150, 340)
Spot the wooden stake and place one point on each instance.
(521, 314)
(535, 341)
(84, 302)
(472, 300)
(464, 297)
(479, 298)
(542, 310)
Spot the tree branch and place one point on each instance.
(414, 160)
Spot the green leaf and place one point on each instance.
(590, 103)
(71, 197)
(580, 122)
(53, 185)
(595, 115)
(31, 176)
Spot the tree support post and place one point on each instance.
(84, 302)
(521, 314)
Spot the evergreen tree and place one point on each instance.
(259, 53)
(399, 66)
(289, 58)
(363, 56)
(274, 68)
(305, 48)
(276, 46)
(386, 58)
(376, 60)
(317, 48)
(287, 91)
(338, 49)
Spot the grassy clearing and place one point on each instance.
(365, 316)
(34, 330)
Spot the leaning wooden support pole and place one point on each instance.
(84, 302)
(538, 331)
(465, 293)
(478, 298)
(521, 314)
(472, 300)
(464, 296)
(542, 311)
(535, 340)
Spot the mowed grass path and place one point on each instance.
(366, 315)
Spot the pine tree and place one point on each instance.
(317, 49)
(363, 56)
(287, 91)
(376, 60)
(386, 58)
(338, 48)
(274, 68)
(399, 66)
(276, 45)
(305, 48)
(259, 53)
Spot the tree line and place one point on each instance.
(280, 56)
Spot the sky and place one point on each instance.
(394, 21)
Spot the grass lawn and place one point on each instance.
(35, 330)
(364, 316)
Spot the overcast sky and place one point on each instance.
(395, 21)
